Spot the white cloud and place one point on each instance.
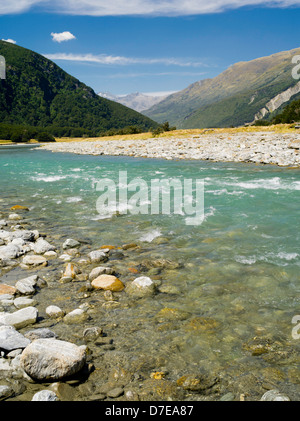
(18, 6)
(124, 75)
(12, 41)
(62, 36)
(119, 60)
(138, 7)
(101, 59)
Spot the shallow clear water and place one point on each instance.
(241, 265)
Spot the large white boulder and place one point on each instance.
(97, 256)
(19, 318)
(11, 339)
(52, 359)
(27, 285)
(42, 246)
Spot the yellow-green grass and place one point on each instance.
(184, 133)
(9, 142)
(5, 142)
(279, 128)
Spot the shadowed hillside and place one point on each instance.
(37, 92)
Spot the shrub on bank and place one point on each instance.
(44, 137)
(165, 127)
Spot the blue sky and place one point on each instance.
(150, 45)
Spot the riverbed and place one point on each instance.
(226, 289)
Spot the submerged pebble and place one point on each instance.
(274, 395)
(108, 282)
(141, 287)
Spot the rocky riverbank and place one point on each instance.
(62, 336)
(258, 147)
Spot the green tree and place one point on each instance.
(45, 137)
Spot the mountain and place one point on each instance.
(137, 101)
(245, 92)
(290, 114)
(37, 92)
(108, 95)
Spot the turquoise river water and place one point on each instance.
(238, 281)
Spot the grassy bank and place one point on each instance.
(280, 128)
(6, 142)
(184, 133)
(9, 142)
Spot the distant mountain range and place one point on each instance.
(37, 92)
(137, 101)
(245, 92)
